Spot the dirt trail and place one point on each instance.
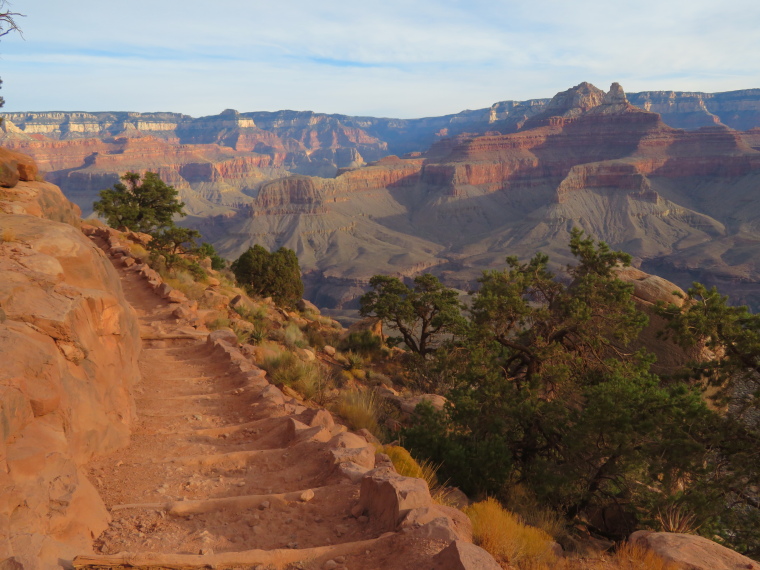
(214, 474)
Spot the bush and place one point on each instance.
(363, 342)
(146, 205)
(286, 369)
(506, 538)
(634, 557)
(275, 274)
(354, 362)
(292, 336)
(219, 323)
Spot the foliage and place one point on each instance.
(364, 342)
(275, 274)
(146, 205)
(549, 395)
(423, 314)
(408, 466)
(506, 538)
(286, 369)
(207, 250)
(173, 240)
(732, 334)
(7, 25)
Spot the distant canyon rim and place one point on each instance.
(669, 177)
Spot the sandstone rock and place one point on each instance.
(408, 405)
(67, 329)
(691, 552)
(213, 282)
(460, 555)
(138, 237)
(387, 497)
(307, 306)
(329, 350)
(224, 335)
(322, 418)
(175, 296)
(305, 354)
(15, 166)
(184, 312)
(215, 300)
(458, 523)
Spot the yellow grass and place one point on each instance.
(506, 538)
(8, 235)
(360, 409)
(408, 466)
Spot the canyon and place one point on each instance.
(668, 177)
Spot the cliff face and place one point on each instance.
(69, 344)
(86, 152)
(590, 159)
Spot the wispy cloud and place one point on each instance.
(375, 57)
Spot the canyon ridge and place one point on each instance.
(668, 177)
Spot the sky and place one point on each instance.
(390, 58)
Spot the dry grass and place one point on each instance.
(8, 235)
(636, 557)
(408, 466)
(522, 502)
(185, 282)
(286, 369)
(675, 519)
(507, 538)
(138, 251)
(360, 409)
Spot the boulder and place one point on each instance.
(307, 306)
(15, 166)
(224, 335)
(408, 405)
(329, 350)
(461, 555)
(691, 552)
(387, 497)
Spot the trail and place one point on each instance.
(214, 474)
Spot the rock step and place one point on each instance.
(276, 558)
(225, 471)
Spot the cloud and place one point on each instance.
(391, 57)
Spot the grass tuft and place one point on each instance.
(8, 235)
(360, 409)
(507, 538)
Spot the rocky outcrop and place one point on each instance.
(648, 290)
(691, 552)
(68, 344)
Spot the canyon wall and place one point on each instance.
(69, 344)
(590, 159)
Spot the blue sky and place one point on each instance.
(382, 58)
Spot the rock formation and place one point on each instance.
(508, 179)
(590, 160)
(68, 346)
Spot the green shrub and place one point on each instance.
(219, 323)
(286, 369)
(354, 362)
(363, 342)
(292, 336)
(275, 274)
